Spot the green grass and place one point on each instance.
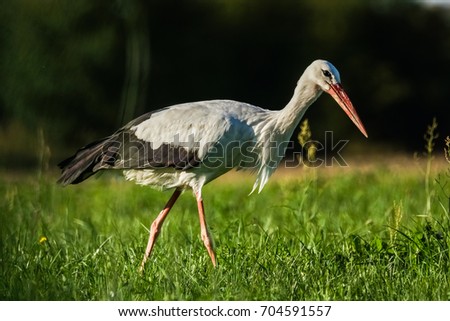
(324, 237)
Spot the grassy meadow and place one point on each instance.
(345, 233)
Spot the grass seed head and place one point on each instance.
(395, 219)
(430, 136)
(305, 133)
(308, 145)
(447, 149)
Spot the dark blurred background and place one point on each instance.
(74, 71)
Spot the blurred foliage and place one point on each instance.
(79, 69)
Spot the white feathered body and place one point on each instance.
(228, 133)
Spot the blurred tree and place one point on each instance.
(58, 64)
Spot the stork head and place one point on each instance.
(327, 78)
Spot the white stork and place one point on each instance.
(188, 145)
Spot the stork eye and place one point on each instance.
(326, 73)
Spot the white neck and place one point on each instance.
(305, 94)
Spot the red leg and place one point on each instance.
(156, 226)
(204, 230)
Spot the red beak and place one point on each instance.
(338, 93)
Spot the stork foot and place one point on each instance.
(209, 246)
(206, 238)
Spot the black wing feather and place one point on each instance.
(123, 150)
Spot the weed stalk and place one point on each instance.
(309, 149)
(395, 220)
(430, 136)
(443, 180)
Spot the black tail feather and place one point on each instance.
(82, 165)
